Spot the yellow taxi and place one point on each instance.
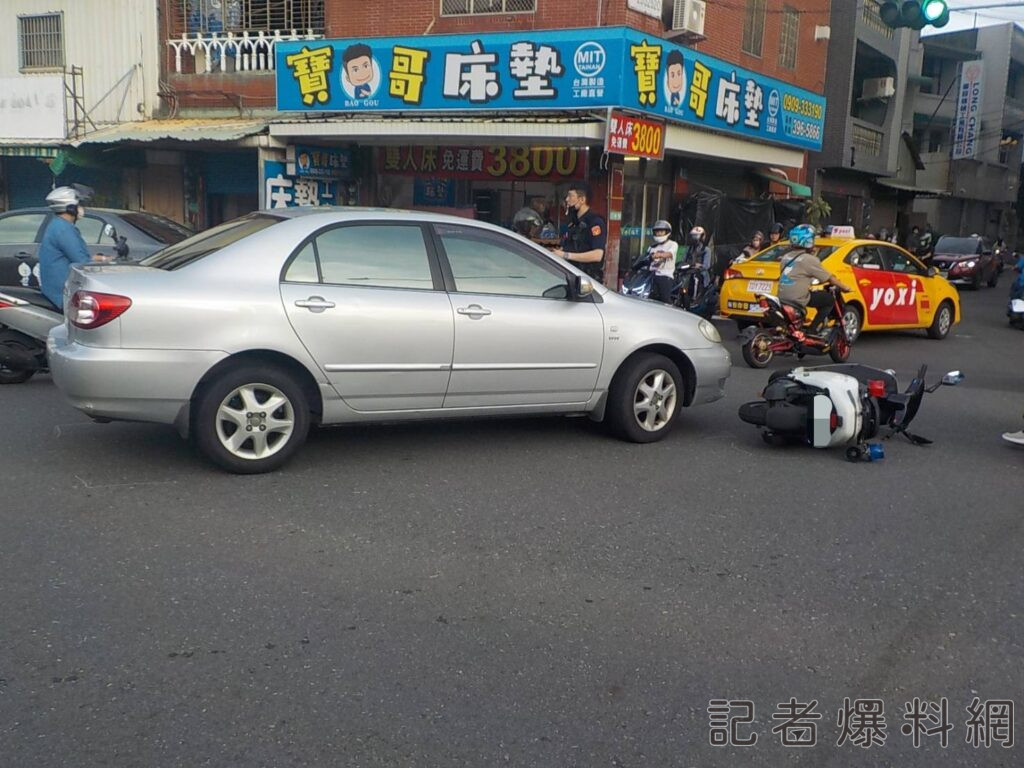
(891, 288)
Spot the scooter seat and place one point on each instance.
(31, 295)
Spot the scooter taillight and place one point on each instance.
(763, 302)
(833, 421)
(876, 388)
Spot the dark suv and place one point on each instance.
(22, 230)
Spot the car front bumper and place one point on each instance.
(126, 384)
(712, 366)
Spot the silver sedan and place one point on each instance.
(245, 334)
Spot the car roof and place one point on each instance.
(88, 208)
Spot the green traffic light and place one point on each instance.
(933, 9)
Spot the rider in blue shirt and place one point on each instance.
(62, 243)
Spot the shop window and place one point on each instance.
(477, 7)
(789, 38)
(41, 42)
(375, 256)
(20, 228)
(753, 27)
(484, 262)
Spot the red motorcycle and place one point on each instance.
(783, 330)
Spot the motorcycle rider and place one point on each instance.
(62, 243)
(756, 244)
(775, 233)
(662, 254)
(799, 267)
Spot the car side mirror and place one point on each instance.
(952, 378)
(932, 271)
(580, 287)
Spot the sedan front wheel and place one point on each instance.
(251, 420)
(645, 398)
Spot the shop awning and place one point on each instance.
(800, 190)
(404, 130)
(680, 139)
(15, 148)
(907, 187)
(180, 129)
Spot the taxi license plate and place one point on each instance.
(759, 286)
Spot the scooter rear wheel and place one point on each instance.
(11, 375)
(757, 352)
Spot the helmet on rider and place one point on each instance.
(802, 236)
(66, 200)
(697, 235)
(662, 231)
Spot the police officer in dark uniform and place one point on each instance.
(585, 241)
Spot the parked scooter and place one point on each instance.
(26, 317)
(839, 405)
(783, 330)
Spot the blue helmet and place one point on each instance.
(802, 236)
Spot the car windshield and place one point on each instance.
(958, 245)
(196, 247)
(776, 252)
(157, 227)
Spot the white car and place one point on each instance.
(247, 333)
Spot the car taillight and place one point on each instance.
(89, 309)
(731, 274)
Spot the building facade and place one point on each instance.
(968, 124)
(870, 91)
(216, 141)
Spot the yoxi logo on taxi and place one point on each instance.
(905, 296)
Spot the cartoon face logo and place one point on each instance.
(674, 81)
(360, 77)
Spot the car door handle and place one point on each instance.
(474, 311)
(23, 254)
(315, 304)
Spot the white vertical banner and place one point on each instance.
(968, 111)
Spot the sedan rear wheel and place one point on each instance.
(251, 420)
(645, 398)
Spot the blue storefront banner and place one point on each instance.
(575, 69)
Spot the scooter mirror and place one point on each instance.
(932, 271)
(109, 231)
(952, 378)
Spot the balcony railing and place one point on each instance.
(212, 52)
(867, 140)
(873, 19)
(216, 36)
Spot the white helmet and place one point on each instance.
(64, 200)
(661, 226)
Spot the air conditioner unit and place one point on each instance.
(688, 19)
(878, 88)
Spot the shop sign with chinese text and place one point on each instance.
(319, 162)
(524, 163)
(634, 136)
(286, 190)
(574, 69)
(968, 111)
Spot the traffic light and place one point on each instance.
(915, 14)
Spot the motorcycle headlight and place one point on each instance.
(710, 332)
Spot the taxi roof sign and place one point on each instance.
(844, 232)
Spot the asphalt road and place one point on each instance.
(525, 593)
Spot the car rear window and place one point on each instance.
(199, 246)
(157, 227)
(776, 252)
(963, 245)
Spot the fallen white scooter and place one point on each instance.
(839, 406)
